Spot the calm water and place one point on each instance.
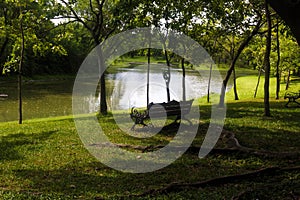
(125, 89)
(40, 99)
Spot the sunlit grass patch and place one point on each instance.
(45, 158)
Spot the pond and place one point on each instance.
(125, 88)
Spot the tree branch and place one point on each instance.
(58, 25)
(91, 7)
(76, 15)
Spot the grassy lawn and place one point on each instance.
(45, 159)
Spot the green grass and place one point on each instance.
(128, 62)
(45, 159)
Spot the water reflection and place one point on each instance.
(125, 89)
(130, 88)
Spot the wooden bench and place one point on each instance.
(292, 97)
(160, 110)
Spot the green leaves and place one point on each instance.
(35, 17)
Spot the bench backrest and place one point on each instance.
(172, 108)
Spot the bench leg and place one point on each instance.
(290, 101)
(132, 128)
(138, 121)
(286, 105)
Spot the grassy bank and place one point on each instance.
(45, 159)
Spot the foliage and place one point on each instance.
(52, 47)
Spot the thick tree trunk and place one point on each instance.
(267, 63)
(5, 43)
(2, 50)
(103, 102)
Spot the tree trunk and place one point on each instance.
(20, 72)
(183, 80)
(148, 75)
(5, 43)
(258, 80)
(210, 73)
(168, 75)
(239, 51)
(2, 50)
(267, 112)
(288, 80)
(236, 96)
(103, 103)
(278, 61)
(209, 82)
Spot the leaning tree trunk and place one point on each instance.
(20, 72)
(258, 80)
(288, 80)
(232, 65)
(267, 63)
(236, 96)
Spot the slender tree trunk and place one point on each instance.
(267, 63)
(278, 61)
(239, 51)
(183, 80)
(168, 75)
(148, 75)
(20, 72)
(236, 96)
(288, 80)
(209, 82)
(258, 80)
(210, 73)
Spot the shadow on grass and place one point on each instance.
(280, 132)
(11, 145)
(89, 179)
(93, 179)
